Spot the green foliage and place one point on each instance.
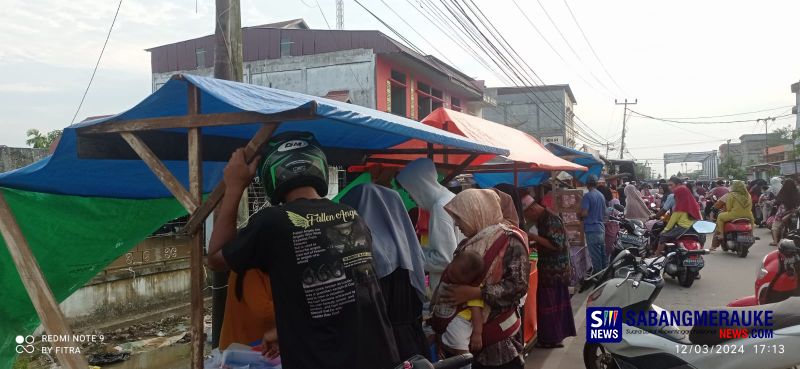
(730, 168)
(37, 140)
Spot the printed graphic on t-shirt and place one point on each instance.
(332, 256)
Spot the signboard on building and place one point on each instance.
(552, 139)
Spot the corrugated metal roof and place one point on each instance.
(264, 42)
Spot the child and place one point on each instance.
(464, 333)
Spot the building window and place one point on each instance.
(423, 100)
(455, 104)
(428, 99)
(398, 93)
(286, 47)
(200, 57)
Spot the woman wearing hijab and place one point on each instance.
(554, 310)
(419, 179)
(398, 261)
(514, 199)
(684, 214)
(478, 214)
(635, 208)
(787, 201)
(737, 204)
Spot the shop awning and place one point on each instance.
(594, 164)
(524, 149)
(93, 160)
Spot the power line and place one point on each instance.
(535, 28)
(417, 32)
(730, 115)
(97, 64)
(592, 48)
(516, 70)
(715, 122)
(568, 44)
(677, 144)
(323, 14)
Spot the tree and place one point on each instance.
(730, 168)
(39, 141)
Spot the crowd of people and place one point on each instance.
(363, 283)
(681, 203)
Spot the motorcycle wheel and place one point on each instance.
(595, 356)
(686, 278)
(742, 251)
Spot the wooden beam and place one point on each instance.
(404, 162)
(197, 121)
(39, 291)
(391, 151)
(251, 150)
(197, 249)
(160, 170)
(460, 168)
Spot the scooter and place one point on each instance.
(666, 347)
(685, 255)
(420, 362)
(631, 235)
(738, 236)
(777, 277)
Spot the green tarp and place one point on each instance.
(73, 238)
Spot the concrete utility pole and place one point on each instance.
(227, 65)
(766, 135)
(624, 122)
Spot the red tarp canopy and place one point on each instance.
(524, 149)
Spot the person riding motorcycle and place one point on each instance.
(736, 204)
(684, 214)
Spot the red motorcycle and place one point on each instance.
(738, 236)
(777, 278)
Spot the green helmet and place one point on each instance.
(292, 160)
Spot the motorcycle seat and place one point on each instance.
(784, 316)
(739, 225)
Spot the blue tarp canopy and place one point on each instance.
(586, 159)
(86, 163)
(524, 178)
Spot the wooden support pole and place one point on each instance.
(200, 120)
(160, 170)
(39, 291)
(197, 243)
(453, 173)
(251, 150)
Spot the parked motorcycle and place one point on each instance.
(777, 277)
(685, 255)
(631, 235)
(633, 285)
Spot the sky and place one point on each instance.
(679, 58)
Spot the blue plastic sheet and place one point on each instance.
(336, 125)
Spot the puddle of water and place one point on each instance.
(170, 357)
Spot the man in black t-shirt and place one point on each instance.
(328, 305)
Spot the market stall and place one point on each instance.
(592, 163)
(528, 163)
(112, 181)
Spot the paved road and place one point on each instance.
(725, 277)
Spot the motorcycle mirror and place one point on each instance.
(703, 226)
(652, 205)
